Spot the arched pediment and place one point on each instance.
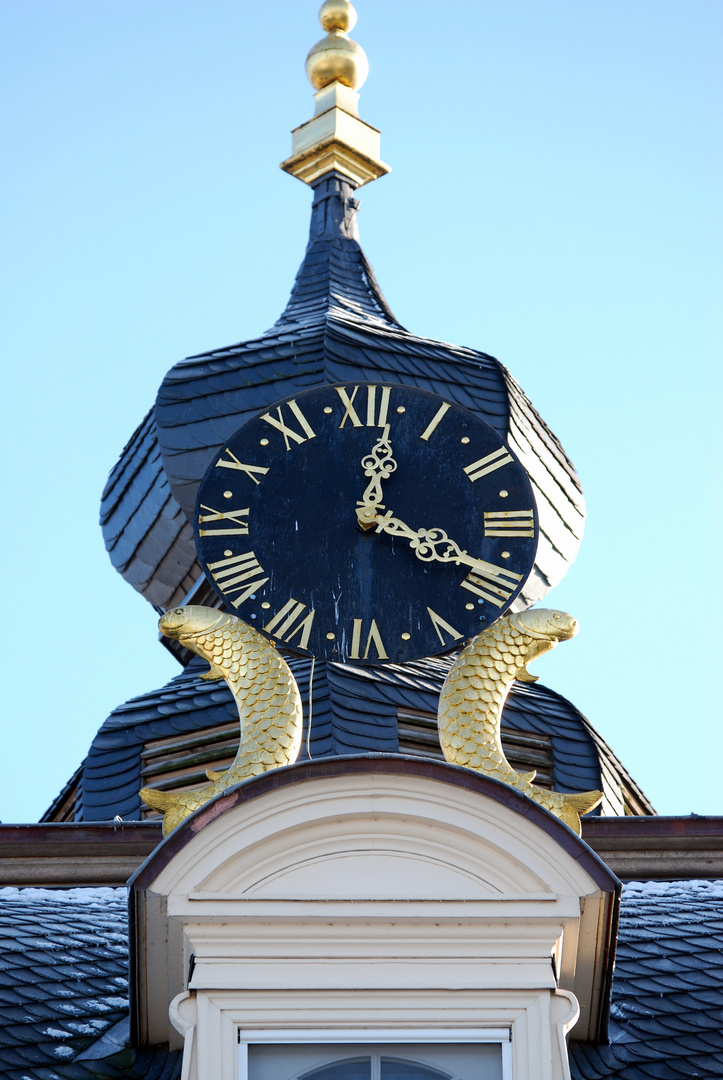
(365, 833)
(403, 857)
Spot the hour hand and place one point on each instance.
(378, 466)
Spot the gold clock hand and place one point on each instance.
(425, 542)
(378, 466)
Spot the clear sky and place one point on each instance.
(554, 200)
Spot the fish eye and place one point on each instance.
(556, 614)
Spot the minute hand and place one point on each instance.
(426, 542)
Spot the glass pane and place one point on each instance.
(350, 1069)
(441, 1061)
(394, 1069)
(311, 1061)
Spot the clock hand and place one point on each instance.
(378, 466)
(425, 542)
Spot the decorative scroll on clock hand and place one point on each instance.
(378, 466)
(431, 545)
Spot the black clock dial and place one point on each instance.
(366, 523)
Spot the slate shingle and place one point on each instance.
(666, 1017)
(65, 959)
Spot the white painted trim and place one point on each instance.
(524, 1016)
(420, 906)
(363, 1035)
(507, 1060)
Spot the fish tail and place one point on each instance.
(159, 800)
(166, 801)
(586, 800)
(576, 805)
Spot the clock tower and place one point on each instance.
(366, 499)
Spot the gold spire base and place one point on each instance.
(336, 139)
(334, 156)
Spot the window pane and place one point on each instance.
(311, 1061)
(350, 1069)
(393, 1069)
(441, 1061)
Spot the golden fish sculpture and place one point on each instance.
(474, 693)
(266, 696)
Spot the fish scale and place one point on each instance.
(474, 694)
(265, 692)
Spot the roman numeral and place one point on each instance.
(433, 423)
(348, 403)
(373, 638)
(488, 464)
(224, 515)
(372, 418)
(285, 619)
(510, 523)
(233, 463)
(439, 625)
(231, 574)
(496, 584)
(286, 431)
(381, 417)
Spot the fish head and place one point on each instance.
(191, 621)
(546, 624)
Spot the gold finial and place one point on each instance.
(337, 15)
(337, 56)
(336, 139)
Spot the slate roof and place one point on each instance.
(354, 710)
(338, 328)
(666, 1017)
(146, 533)
(65, 958)
(64, 978)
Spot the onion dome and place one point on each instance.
(337, 328)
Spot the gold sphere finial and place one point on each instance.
(336, 140)
(337, 57)
(337, 15)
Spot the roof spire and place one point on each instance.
(336, 139)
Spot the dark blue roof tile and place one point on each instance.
(658, 1029)
(68, 972)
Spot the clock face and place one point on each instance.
(366, 523)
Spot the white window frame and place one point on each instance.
(500, 1036)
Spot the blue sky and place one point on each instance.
(554, 200)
